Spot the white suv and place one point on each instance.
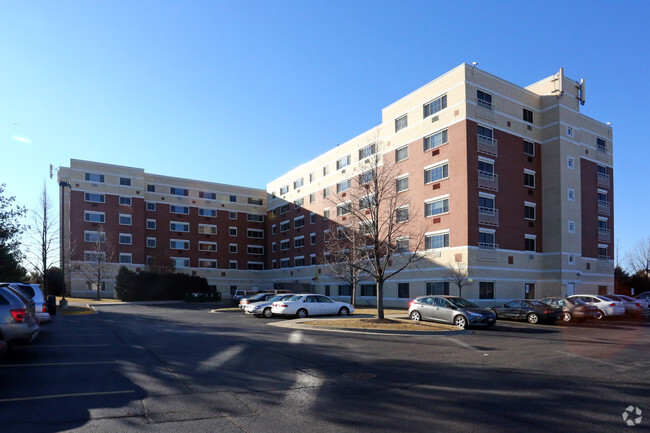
(606, 306)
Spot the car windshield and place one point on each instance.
(462, 303)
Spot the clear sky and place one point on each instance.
(242, 91)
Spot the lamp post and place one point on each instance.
(64, 302)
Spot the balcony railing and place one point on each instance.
(603, 180)
(487, 145)
(604, 235)
(488, 216)
(603, 207)
(487, 251)
(487, 180)
(601, 153)
(485, 109)
(604, 262)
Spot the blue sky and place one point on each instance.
(241, 92)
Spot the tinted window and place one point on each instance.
(514, 304)
(324, 299)
(3, 300)
(27, 290)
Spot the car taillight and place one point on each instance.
(638, 305)
(612, 304)
(411, 303)
(44, 308)
(18, 315)
(281, 305)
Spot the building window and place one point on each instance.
(255, 233)
(299, 242)
(345, 290)
(530, 242)
(529, 148)
(207, 212)
(403, 290)
(179, 226)
(434, 106)
(257, 250)
(312, 176)
(435, 140)
(483, 99)
(126, 258)
(401, 154)
(572, 259)
(125, 220)
(151, 188)
(274, 246)
(299, 222)
(571, 194)
(486, 167)
(151, 224)
(436, 206)
(486, 290)
(365, 152)
(326, 192)
(125, 239)
(207, 263)
(151, 207)
(343, 162)
(343, 186)
(255, 266)
(94, 236)
(284, 263)
(366, 177)
(601, 145)
(326, 214)
(285, 226)
(434, 241)
(569, 131)
(233, 198)
(402, 214)
(283, 190)
(486, 239)
(125, 201)
(181, 262)
(438, 288)
(570, 162)
(125, 181)
(93, 177)
(403, 245)
(326, 170)
(284, 209)
(486, 202)
(312, 259)
(232, 264)
(232, 215)
(178, 191)
(94, 217)
(273, 229)
(312, 239)
(436, 173)
(298, 203)
(151, 242)
(179, 244)
(285, 244)
(255, 201)
(369, 290)
(572, 226)
(298, 183)
(255, 218)
(94, 198)
(344, 209)
(208, 195)
(402, 183)
(312, 197)
(312, 218)
(530, 211)
(527, 115)
(401, 123)
(529, 178)
(208, 246)
(207, 229)
(185, 210)
(232, 248)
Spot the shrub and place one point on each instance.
(152, 286)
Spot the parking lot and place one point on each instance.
(178, 367)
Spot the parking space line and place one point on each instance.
(57, 364)
(60, 345)
(82, 394)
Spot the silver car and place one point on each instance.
(34, 292)
(633, 307)
(263, 308)
(17, 319)
(450, 309)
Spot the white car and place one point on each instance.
(304, 305)
(606, 306)
(633, 307)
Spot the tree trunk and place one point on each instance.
(353, 296)
(380, 299)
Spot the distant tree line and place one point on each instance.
(150, 286)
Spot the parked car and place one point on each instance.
(304, 305)
(240, 294)
(263, 308)
(645, 301)
(572, 309)
(450, 309)
(3, 349)
(633, 307)
(18, 322)
(606, 307)
(644, 295)
(33, 291)
(526, 309)
(255, 298)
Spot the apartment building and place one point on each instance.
(513, 184)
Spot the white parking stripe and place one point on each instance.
(58, 364)
(82, 394)
(34, 346)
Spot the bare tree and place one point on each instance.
(369, 203)
(638, 259)
(42, 244)
(345, 259)
(98, 264)
(458, 274)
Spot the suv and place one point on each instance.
(17, 319)
(34, 292)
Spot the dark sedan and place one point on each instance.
(532, 311)
(572, 309)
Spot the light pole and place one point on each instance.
(63, 185)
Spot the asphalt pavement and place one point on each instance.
(178, 367)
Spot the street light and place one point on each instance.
(64, 302)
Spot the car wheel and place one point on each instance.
(566, 316)
(600, 315)
(344, 312)
(532, 318)
(460, 321)
(267, 312)
(302, 313)
(416, 316)
(496, 316)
